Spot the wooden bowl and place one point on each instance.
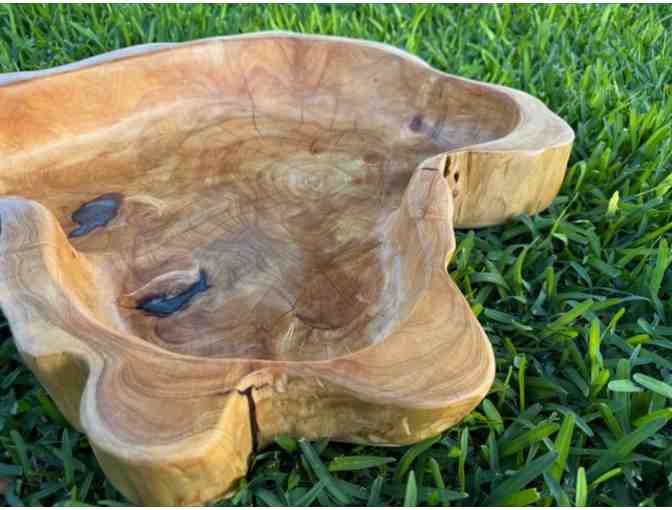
(205, 245)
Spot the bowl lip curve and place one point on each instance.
(506, 94)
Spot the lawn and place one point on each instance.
(576, 301)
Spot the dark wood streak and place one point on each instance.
(416, 123)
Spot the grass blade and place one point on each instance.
(411, 454)
(524, 475)
(557, 492)
(521, 498)
(654, 385)
(562, 443)
(624, 446)
(310, 496)
(374, 495)
(21, 451)
(527, 438)
(356, 463)
(411, 495)
(581, 488)
(321, 472)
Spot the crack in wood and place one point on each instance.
(252, 408)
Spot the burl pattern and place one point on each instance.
(205, 245)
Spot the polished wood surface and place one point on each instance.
(205, 245)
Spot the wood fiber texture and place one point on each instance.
(208, 244)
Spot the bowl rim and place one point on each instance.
(519, 98)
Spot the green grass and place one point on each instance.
(576, 300)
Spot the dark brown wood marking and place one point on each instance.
(416, 123)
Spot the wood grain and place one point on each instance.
(205, 245)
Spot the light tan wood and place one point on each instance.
(205, 245)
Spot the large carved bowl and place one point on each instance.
(205, 245)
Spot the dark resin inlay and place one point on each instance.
(96, 213)
(163, 305)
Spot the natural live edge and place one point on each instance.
(535, 151)
(256, 254)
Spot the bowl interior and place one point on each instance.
(233, 195)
